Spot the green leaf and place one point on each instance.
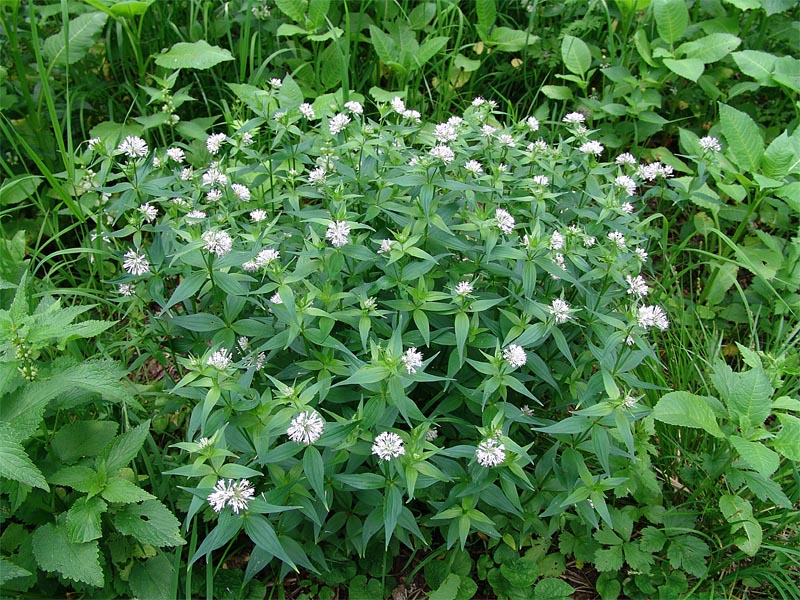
(383, 44)
(756, 455)
(756, 64)
(787, 442)
(486, 11)
(314, 469)
(429, 48)
(710, 48)
(780, 159)
(448, 590)
(186, 288)
(72, 43)
(317, 11)
(672, 19)
(576, 55)
(9, 571)
(739, 513)
(331, 66)
(262, 534)
(15, 464)
(150, 523)
(557, 92)
(294, 9)
(749, 396)
(79, 478)
(745, 145)
(608, 559)
(153, 578)
(687, 410)
(193, 55)
(506, 39)
(124, 448)
(82, 438)
(551, 588)
(16, 189)
(83, 519)
(689, 553)
(689, 68)
(123, 491)
(55, 553)
(652, 539)
(520, 572)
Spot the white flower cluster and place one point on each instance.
(412, 360)
(338, 233)
(306, 427)
(490, 453)
(235, 494)
(388, 445)
(515, 355)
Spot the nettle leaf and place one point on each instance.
(193, 55)
(72, 43)
(748, 395)
(689, 68)
(82, 438)
(672, 19)
(787, 442)
(739, 513)
(124, 448)
(608, 559)
(83, 519)
(551, 588)
(153, 578)
(151, 523)
(15, 464)
(756, 64)
(745, 145)
(55, 552)
(710, 48)
(756, 455)
(687, 410)
(689, 553)
(123, 491)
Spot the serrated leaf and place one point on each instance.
(755, 64)
(756, 455)
(739, 513)
(56, 554)
(745, 145)
(151, 523)
(9, 571)
(749, 396)
(710, 48)
(551, 588)
(780, 158)
(82, 438)
(672, 19)
(608, 559)
(689, 68)
(72, 43)
(787, 442)
(576, 55)
(383, 44)
(193, 55)
(15, 464)
(82, 479)
(123, 491)
(689, 553)
(83, 519)
(153, 578)
(652, 539)
(687, 410)
(294, 9)
(124, 448)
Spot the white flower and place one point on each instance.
(354, 107)
(262, 259)
(203, 442)
(490, 453)
(276, 298)
(478, 101)
(515, 355)
(214, 195)
(627, 208)
(187, 174)
(242, 192)
(538, 146)
(618, 239)
(412, 359)
(629, 401)
(532, 123)
(243, 342)
(247, 138)
(574, 117)
(214, 177)
(135, 263)
(386, 247)
(176, 155)
(196, 214)
(317, 176)
(126, 289)
(559, 310)
(443, 153)
(412, 115)
(474, 167)
(237, 495)
(133, 147)
(307, 110)
(214, 142)
(637, 286)
(558, 258)
(592, 147)
(444, 133)
(388, 445)
(541, 180)
(258, 215)
(653, 170)
(506, 140)
(337, 123)
(556, 241)
(589, 241)
(488, 130)
(338, 233)
(149, 212)
(221, 359)
(455, 121)
(463, 288)
(432, 434)
(652, 316)
(626, 158)
(306, 427)
(641, 254)
(218, 242)
(629, 340)
(710, 144)
(398, 105)
(276, 83)
(94, 143)
(504, 220)
(626, 183)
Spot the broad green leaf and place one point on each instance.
(745, 4)
(16, 189)
(15, 464)
(551, 588)
(557, 92)
(317, 11)
(739, 513)
(314, 469)
(72, 43)
(780, 158)
(150, 523)
(520, 572)
(193, 55)
(429, 48)
(608, 559)
(745, 145)
(787, 73)
(760, 458)
(82, 438)
(153, 578)
(9, 571)
(755, 64)
(56, 554)
(689, 68)
(186, 288)
(290, 93)
(83, 519)
(687, 410)
(123, 491)
(710, 48)
(332, 66)
(79, 478)
(689, 553)
(383, 44)
(124, 448)
(486, 11)
(787, 442)
(294, 9)
(228, 526)
(506, 39)
(576, 55)
(748, 395)
(672, 19)
(262, 534)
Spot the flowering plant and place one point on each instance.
(392, 328)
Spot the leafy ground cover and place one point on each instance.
(320, 299)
